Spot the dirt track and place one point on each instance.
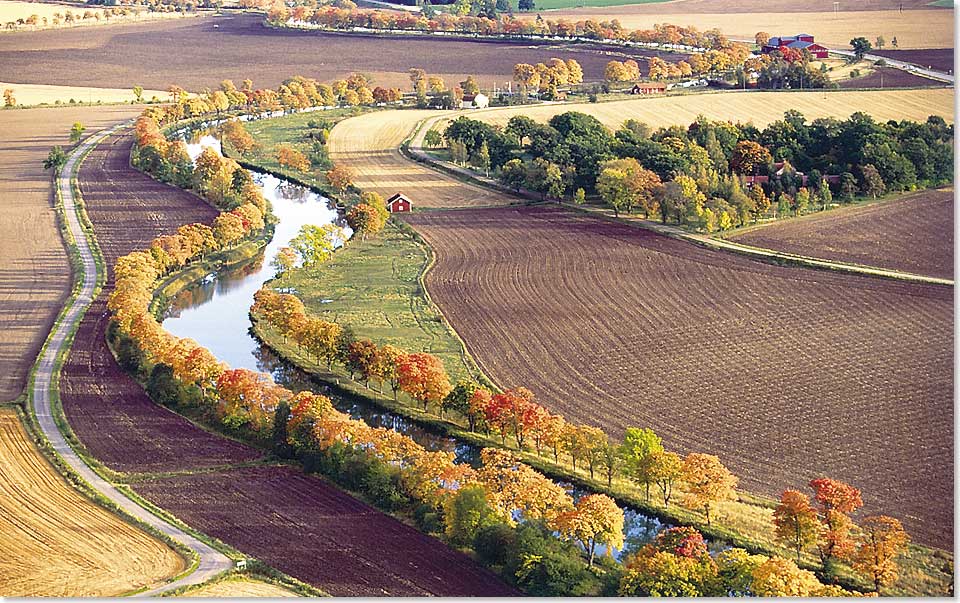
(912, 234)
(786, 373)
(56, 543)
(35, 276)
(369, 144)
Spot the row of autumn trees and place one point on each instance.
(711, 174)
(294, 93)
(332, 17)
(514, 417)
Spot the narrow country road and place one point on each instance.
(212, 562)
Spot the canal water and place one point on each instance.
(215, 313)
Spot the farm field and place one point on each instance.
(914, 29)
(12, 10)
(241, 47)
(619, 327)
(106, 408)
(369, 144)
(124, 429)
(759, 6)
(36, 275)
(316, 533)
(39, 94)
(759, 108)
(241, 587)
(57, 543)
(913, 234)
(937, 58)
(888, 77)
(373, 287)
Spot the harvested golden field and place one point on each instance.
(369, 144)
(37, 94)
(56, 543)
(912, 28)
(36, 274)
(761, 108)
(241, 587)
(12, 10)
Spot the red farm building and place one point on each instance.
(399, 203)
(799, 42)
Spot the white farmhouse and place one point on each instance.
(475, 101)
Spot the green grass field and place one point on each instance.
(374, 287)
(293, 130)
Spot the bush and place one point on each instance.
(129, 355)
(493, 544)
(162, 386)
(428, 519)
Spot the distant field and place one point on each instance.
(12, 10)
(241, 587)
(37, 94)
(760, 6)
(913, 28)
(36, 275)
(56, 543)
(937, 58)
(759, 108)
(913, 234)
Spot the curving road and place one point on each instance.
(212, 562)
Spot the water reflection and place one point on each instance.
(215, 313)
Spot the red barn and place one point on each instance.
(799, 42)
(399, 204)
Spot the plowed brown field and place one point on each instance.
(56, 543)
(107, 409)
(194, 54)
(316, 533)
(785, 373)
(35, 273)
(369, 144)
(912, 234)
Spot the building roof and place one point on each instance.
(799, 44)
(650, 85)
(398, 197)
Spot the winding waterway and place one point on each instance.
(215, 313)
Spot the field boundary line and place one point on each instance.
(414, 152)
(44, 388)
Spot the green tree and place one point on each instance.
(458, 152)
(55, 158)
(481, 159)
(433, 139)
(467, 513)
(314, 243)
(872, 182)
(638, 444)
(580, 196)
(76, 131)
(860, 46)
(545, 177)
(801, 202)
(848, 187)
(513, 174)
(138, 93)
(281, 447)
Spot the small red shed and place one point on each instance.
(399, 203)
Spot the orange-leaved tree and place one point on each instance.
(880, 541)
(708, 482)
(837, 500)
(423, 378)
(596, 519)
(796, 521)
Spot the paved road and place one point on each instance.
(212, 562)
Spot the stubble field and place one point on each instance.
(911, 234)
(56, 543)
(787, 374)
(35, 277)
(914, 29)
(241, 587)
(369, 144)
(760, 108)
